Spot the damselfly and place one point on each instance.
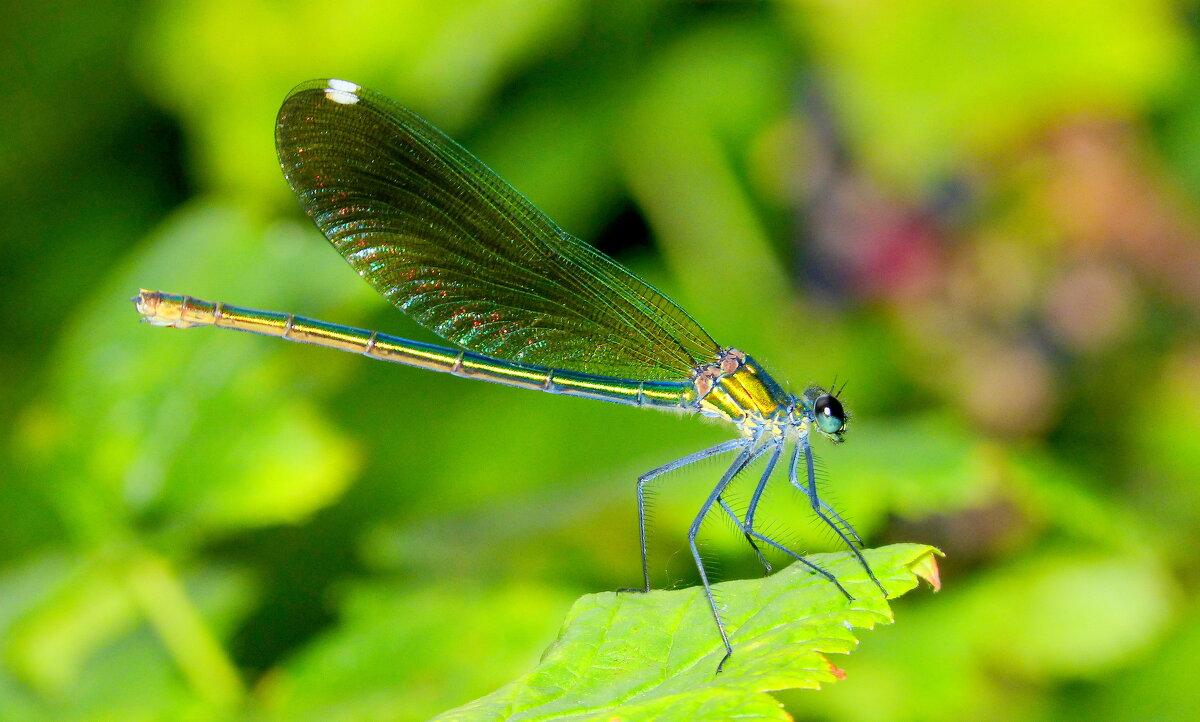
(464, 254)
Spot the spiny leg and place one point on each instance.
(766, 474)
(748, 527)
(800, 558)
(734, 469)
(733, 515)
(802, 446)
(845, 524)
(751, 534)
(846, 527)
(655, 473)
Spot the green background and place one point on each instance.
(985, 217)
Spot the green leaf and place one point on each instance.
(352, 670)
(636, 656)
(1018, 66)
(141, 444)
(1044, 611)
(79, 608)
(409, 48)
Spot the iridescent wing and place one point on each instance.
(451, 244)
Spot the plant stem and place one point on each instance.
(157, 591)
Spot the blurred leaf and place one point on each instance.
(443, 59)
(73, 633)
(1169, 443)
(683, 137)
(56, 55)
(557, 147)
(924, 669)
(78, 608)
(1179, 136)
(1071, 614)
(1161, 688)
(922, 83)
(1006, 636)
(639, 655)
(1065, 496)
(198, 426)
(392, 640)
(1167, 455)
(923, 465)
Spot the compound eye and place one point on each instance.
(831, 417)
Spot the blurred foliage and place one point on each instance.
(984, 215)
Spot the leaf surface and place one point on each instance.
(627, 656)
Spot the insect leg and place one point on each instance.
(653, 474)
(800, 558)
(749, 539)
(754, 501)
(803, 447)
(738, 464)
(748, 527)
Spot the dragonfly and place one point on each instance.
(451, 244)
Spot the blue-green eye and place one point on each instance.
(831, 417)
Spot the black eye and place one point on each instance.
(831, 417)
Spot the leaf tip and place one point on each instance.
(926, 568)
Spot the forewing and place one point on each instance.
(454, 246)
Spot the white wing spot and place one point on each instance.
(342, 91)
